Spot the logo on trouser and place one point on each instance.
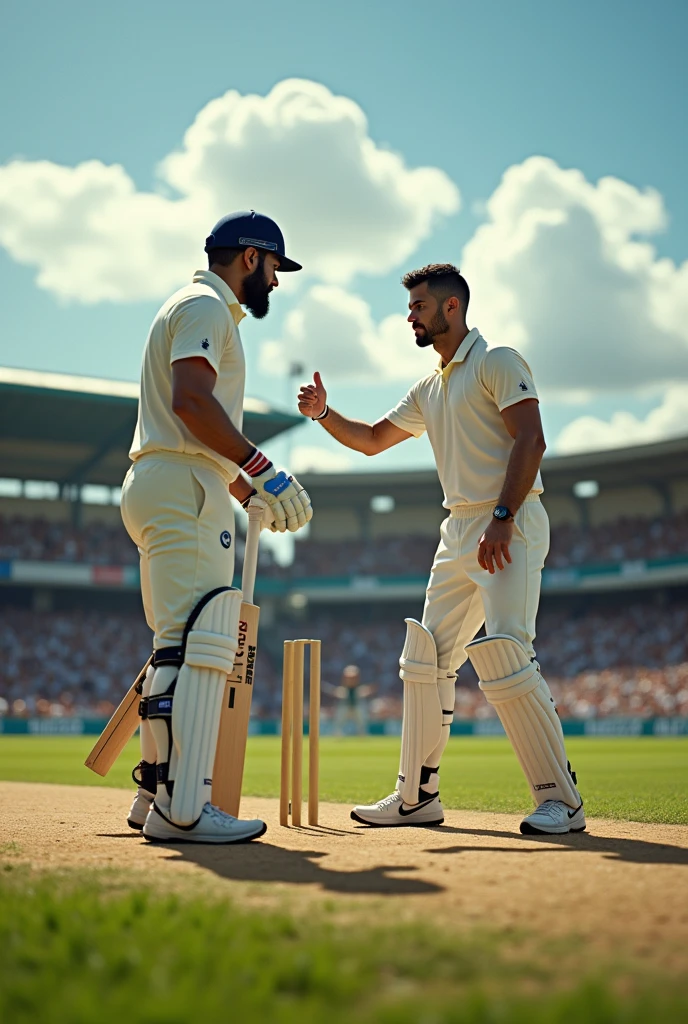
(225, 539)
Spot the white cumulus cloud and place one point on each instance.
(588, 433)
(300, 154)
(562, 270)
(333, 331)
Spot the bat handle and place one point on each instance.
(255, 517)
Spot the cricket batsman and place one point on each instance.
(189, 454)
(480, 409)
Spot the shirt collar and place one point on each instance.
(222, 289)
(461, 352)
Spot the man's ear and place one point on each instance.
(250, 258)
(453, 304)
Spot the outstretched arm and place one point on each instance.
(356, 434)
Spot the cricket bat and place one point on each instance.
(119, 730)
(228, 772)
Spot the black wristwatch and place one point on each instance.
(502, 513)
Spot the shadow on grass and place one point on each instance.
(263, 862)
(635, 851)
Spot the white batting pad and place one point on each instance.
(512, 683)
(422, 725)
(208, 659)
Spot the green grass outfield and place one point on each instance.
(95, 947)
(633, 779)
(76, 952)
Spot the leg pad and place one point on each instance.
(512, 683)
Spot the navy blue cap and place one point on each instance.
(248, 228)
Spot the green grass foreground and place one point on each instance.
(70, 953)
(636, 779)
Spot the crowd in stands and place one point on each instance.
(384, 556)
(63, 663)
(631, 661)
(624, 540)
(41, 540)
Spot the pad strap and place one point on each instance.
(168, 656)
(156, 707)
(146, 778)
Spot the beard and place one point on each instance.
(257, 292)
(438, 325)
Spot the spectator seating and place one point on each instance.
(631, 661)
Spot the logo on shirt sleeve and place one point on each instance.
(523, 386)
(205, 343)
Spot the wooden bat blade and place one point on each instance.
(228, 772)
(119, 730)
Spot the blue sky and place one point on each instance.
(468, 89)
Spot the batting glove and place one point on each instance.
(289, 503)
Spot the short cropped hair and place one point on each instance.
(224, 256)
(444, 280)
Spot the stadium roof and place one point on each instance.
(59, 427)
(70, 429)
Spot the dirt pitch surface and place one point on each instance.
(621, 885)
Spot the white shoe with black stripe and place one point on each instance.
(554, 817)
(393, 812)
(213, 826)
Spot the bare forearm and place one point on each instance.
(240, 489)
(354, 434)
(524, 463)
(209, 423)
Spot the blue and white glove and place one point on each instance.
(288, 501)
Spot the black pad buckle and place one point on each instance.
(168, 656)
(156, 707)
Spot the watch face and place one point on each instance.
(501, 512)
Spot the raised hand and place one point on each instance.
(312, 398)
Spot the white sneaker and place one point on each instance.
(392, 811)
(214, 826)
(138, 812)
(554, 817)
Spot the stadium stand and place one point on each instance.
(79, 662)
(97, 543)
(613, 628)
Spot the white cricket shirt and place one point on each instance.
(200, 319)
(459, 406)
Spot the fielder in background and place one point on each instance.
(188, 456)
(480, 409)
(351, 708)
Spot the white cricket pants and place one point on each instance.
(178, 511)
(461, 596)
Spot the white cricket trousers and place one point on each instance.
(178, 511)
(461, 596)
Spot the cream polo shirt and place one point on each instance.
(459, 406)
(200, 319)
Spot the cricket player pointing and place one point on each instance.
(188, 454)
(480, 409)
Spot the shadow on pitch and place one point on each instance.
(263, 862)
(634, 851)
